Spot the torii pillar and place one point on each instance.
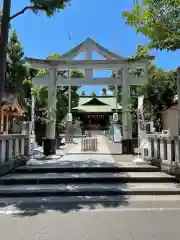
(50, 139)
(126, 113)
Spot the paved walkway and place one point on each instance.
(107, 154)
(115, 151)
(102, 155)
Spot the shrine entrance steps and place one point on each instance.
(86, 182)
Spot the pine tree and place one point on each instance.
(16, 71)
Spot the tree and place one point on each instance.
(83, 93)
(93, 94)
(50, 7)
(104, 91)
(159, 92)
(157, 20)
(16, 70)
(159, 95)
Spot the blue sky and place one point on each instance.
(101, 20)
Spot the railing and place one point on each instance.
(13, 147)
(163, 149)
(89, 144)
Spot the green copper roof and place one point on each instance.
(108, 101)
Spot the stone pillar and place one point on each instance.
(88, 72)
(126, 114)
(50, 140)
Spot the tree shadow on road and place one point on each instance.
(29, 209)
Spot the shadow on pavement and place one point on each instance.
(30, 209)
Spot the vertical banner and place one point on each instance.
(140, 117)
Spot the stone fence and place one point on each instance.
(163, 150)
(14, 150)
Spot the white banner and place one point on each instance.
(140, 115)
(142, 135)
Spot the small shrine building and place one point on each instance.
(9, 111)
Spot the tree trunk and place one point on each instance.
(3, 43)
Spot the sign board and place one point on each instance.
(115, 117)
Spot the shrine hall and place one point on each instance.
(95, 112)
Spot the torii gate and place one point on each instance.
(113, 62)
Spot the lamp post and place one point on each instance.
(3, 43)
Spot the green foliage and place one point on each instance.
(159, 20)
(159, 92)
(16, 70)
(141, 51)
(50, 7)
(41, 93)
(159, 95)
(93, 94)
(104, 91)
(76, 74)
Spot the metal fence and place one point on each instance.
(89, 144)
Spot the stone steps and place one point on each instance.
(86, 181)
(53, 190)
(86, 177)
(79, 167)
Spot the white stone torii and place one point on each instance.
(113, 62)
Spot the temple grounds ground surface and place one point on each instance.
(132, 218)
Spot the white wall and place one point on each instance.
(170, 120)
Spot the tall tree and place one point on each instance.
(104, 91)
(16, 70)
(159, 20)
(93, 94)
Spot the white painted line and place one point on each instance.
(131, 210)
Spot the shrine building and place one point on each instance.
(95, 112)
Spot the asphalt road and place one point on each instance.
(139, 220)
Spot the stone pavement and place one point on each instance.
(103, 153)
(115, 151)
